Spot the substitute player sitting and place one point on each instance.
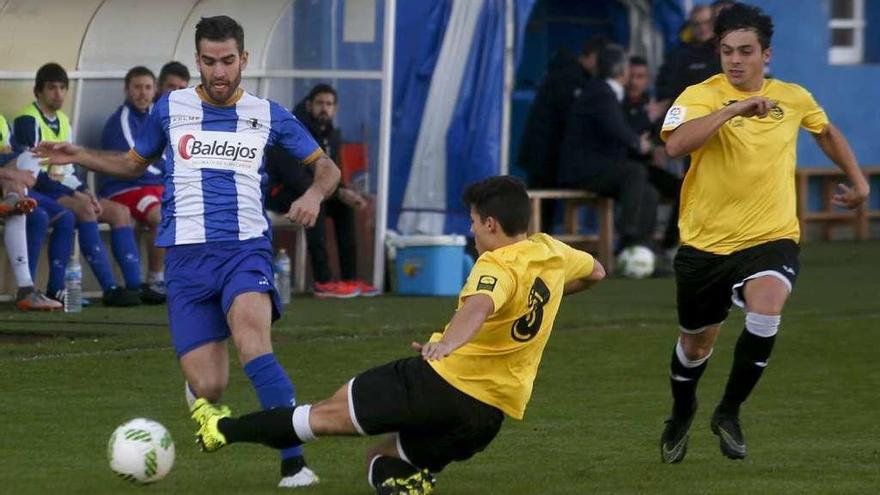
(142, 195)
(739, 228)
(448, 403)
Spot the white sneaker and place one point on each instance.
(304, 477)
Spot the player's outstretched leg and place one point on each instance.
(684, 374)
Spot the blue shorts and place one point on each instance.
(48, 203)
(202, 281)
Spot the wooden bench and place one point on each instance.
(828, 215)
(572, 199)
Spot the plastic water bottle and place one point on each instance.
(73, 283)
(282, 275)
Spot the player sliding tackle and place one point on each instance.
(219, 258)
(448, 403)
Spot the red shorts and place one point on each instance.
(140, 201)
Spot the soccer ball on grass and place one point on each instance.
(636, 262)
(141, 451)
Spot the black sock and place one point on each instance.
(384, 467)
(272, 427)
(749, 360)
(683, 381)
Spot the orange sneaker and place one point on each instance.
(37, 301)
(338, 290)
(13, 204)
(366, 289)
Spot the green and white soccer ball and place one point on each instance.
(141, 451)
(636, 262)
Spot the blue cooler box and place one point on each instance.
(427, 265)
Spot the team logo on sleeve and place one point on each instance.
(675, 116)
(486, 282)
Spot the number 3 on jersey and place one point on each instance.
(527, 326)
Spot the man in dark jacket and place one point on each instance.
(545, 125)
(598, 140)
(692, 62)
(288, 181)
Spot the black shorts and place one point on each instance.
(708, 283)
(436, 423)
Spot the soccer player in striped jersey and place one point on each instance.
(218, 264)
(142, 195)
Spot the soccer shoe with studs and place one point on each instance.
(420, 483)
(730, 435)
(206, 416)
(674, 440)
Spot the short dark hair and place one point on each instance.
(638, 60)
(173, 68)
(594, 44)
(321, 89)
(50, 72)
(742, 16)
(610, 62)
(220, 28)
(504, 198)
(138, 71)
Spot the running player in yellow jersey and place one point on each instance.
(448, 403)
(739, 229)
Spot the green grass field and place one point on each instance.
(592, 426)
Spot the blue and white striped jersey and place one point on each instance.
(214, 162)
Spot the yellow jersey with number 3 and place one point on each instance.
(525, 281)
(740, 189)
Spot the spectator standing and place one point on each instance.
(287, 183)
(692, 62)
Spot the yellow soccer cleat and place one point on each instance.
(206, 416)
(421, 483)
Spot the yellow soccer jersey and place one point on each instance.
(740, 189)
(525, 281)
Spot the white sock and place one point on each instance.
(15, 237)
(190, 396)
(155, 277)
(301, 423)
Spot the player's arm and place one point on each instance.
(582, 284)
(463, 327)
(122, 164)
(836, 147)
(693, 134)
(305, 209)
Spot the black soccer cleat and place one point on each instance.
(121, 297)
(674, 440)
(727, 427)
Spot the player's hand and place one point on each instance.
(17, 178)
(352, 198)
(304, 211)
(96, 205)
(849, 197)
(433, 351)
(56, 153)
(756, 106)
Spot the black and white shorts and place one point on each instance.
(707, 283)
(436, 423)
